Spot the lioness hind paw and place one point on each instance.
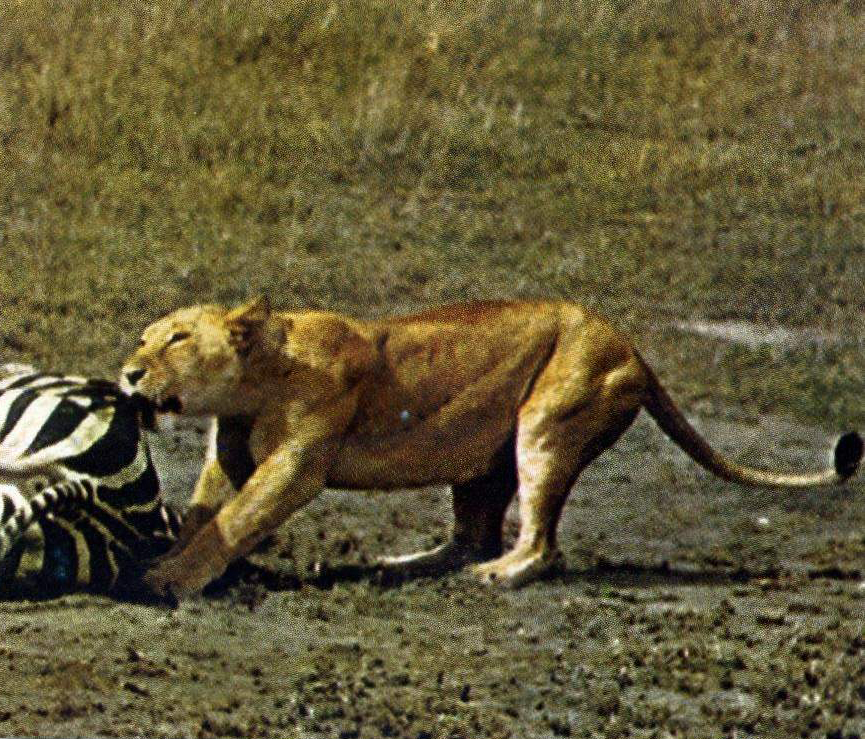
(515, 570)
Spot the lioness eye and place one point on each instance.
(141, 342)
(179, 336)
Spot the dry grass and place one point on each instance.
(657, 160)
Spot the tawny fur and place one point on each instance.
(495, 399)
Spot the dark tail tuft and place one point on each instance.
(848, 454)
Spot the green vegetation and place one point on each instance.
(660, 161)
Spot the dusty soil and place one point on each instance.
(688, 607)
(694, 170)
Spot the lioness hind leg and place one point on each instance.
(550, 456)
(479, 507)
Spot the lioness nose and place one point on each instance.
(134, 376)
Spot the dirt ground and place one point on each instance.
(693, 170)
(688, 607)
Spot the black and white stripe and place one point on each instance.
(78, 489)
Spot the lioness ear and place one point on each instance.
(246, 324)
(255, 311)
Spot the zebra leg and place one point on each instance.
(11, 562)
(153, 532)
(11, 501)
(51, 499)
(169, 531)
(151, 535)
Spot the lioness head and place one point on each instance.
(196, 360)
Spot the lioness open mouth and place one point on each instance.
(171, 404)
(145, 409)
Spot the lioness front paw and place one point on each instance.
(446, 557)
(187, 572)
(169, 579)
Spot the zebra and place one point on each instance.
(79, 494)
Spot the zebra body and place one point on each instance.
(77, 482)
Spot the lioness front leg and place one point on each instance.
(211, 490)
(227, 467)
(284, 482)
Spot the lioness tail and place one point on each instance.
(848, 450)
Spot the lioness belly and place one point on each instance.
(422, 421)
(426, 456)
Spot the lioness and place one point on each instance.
(493, 398)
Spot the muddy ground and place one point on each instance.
(694, 170)
(688, 607)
